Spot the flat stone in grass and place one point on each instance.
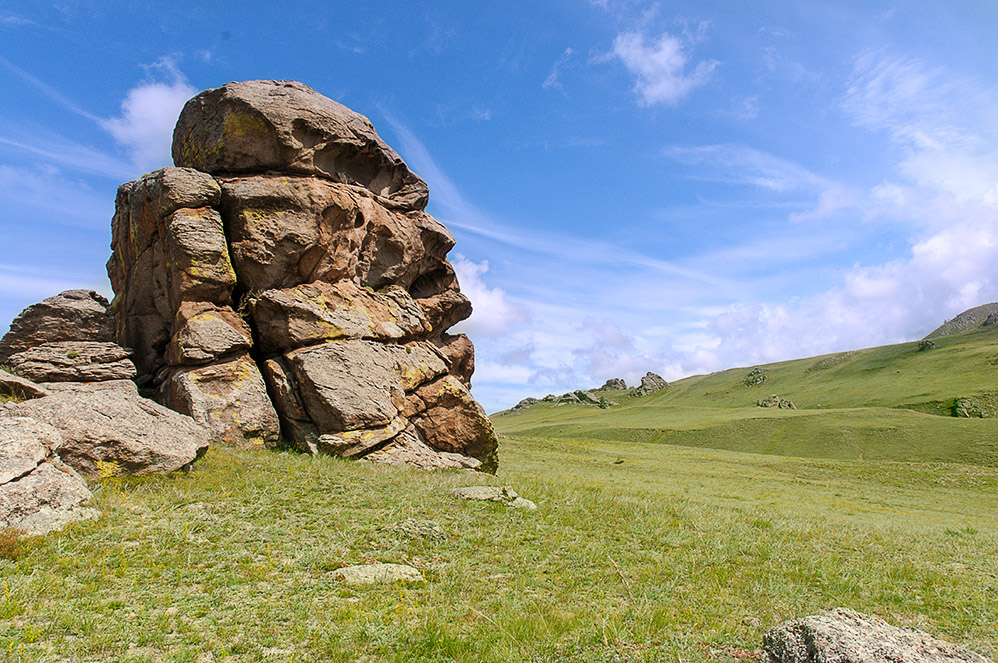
(410, 528)
(503, 494)
(847, 636)
(371, 574)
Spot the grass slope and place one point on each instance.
(638, 552)
(892, 403)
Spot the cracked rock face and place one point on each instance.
(38, 493)
(283, 282)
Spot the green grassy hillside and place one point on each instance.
(637, 552)
(894, 402)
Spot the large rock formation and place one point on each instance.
(283, 279)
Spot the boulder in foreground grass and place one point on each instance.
(38, 493)
(847, 636)
(371, 574)
(109, 423)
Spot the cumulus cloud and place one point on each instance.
(493, 312)
(661, 67)
(148, 115)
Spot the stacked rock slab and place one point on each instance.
(284, 279)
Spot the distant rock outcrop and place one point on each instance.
(847, 636)
(650, 384)
(985, 315)
(284, 280)
(776, 402)
(613, 384)
(756, 377)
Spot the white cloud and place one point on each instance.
(661, 67)
(493, 312)
(552, 80)
(912, 102)
(944, 190)
(148, 115)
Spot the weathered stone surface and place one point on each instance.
(73, 315)
(165, 191)
(198, 257)
(108, 422)
(302, 287)
(205, 333)
(164, 256)
(73, 361)
(38, 492)
(358, 442)
(315, 312)
(502, 494)
(285, 231)
(408, 448)
(650, 384)
(460, 354)
(229, 399)
(453, 421)
(357, 384)
(260, 126)
(847, 636)
(371, 574)
(525, 403)
(18, 388)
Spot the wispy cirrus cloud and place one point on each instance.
(740, 164)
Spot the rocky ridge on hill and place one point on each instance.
(984, 316)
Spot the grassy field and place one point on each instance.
(676, 527)
(638, 552)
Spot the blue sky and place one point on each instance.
(678, 187)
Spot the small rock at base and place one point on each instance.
(503, 494)
(370, 574)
